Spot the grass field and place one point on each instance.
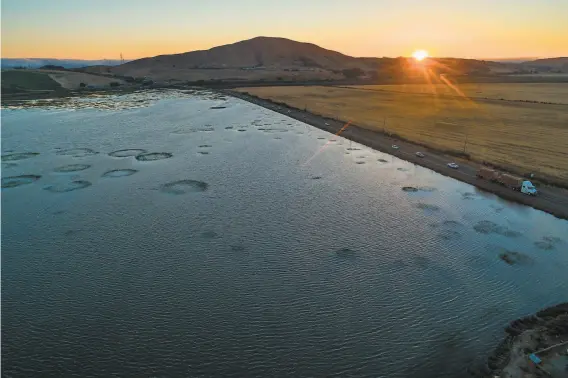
(539, 92)
(521, 136)
(22, 80)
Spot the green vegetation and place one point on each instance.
(15, 81)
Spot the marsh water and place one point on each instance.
(197, 235)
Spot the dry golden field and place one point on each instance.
(541, 92)
(522, 136)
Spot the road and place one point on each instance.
(550, 199)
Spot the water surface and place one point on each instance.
(220, 245)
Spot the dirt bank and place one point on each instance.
(551, 199)
(545, 334)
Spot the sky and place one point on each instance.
(103, 29)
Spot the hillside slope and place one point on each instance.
(284, 59)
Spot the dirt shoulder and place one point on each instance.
(550, 199)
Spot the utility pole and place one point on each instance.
(121, 59)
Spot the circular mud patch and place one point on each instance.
(119, 173)
(514, 258)
(184, 186)
(19, 156)
(68, 187)
(548, 243)
(77, 152)
(127, 152)
(383, 160)
(229, 128)
(345, 253)
(72, 168)
(217, 107)
(359, 162)
(409, 189)
(427, 206)
(468, 196)
(488, 227)
(14, 181)
(449, 235)
(427, 189)
(209, 234)
(152, 156)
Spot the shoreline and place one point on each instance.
(544, 331)
(552, 200)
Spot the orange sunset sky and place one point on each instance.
(103, 29)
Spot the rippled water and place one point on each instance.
(256, 258)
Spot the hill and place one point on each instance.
(552, 65)
(268, 58)
(65, 63)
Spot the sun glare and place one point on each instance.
(420, 55)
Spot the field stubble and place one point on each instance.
(524, 137)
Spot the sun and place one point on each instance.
(420, 55)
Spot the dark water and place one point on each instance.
(235, 257)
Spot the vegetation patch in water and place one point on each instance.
(513, 258)
(488, 227)
(127, 152)
(409, 189)
(72, 168)
(449, 235)
(209, 234)
(68, 187)
(427, 206)
(19, 156)
(184, 186)
(217, 107)
(152, 156)
(77, 152)
(14, 181)
(383, 160)
(548, 243)
(119, 173)
(345, 253)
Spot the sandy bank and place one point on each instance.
(551, 199)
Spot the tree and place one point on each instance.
(352, 73)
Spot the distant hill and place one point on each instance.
(65, 63)
(268, 58)
(552, 65)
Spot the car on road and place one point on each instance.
(395, 147)
(453, 165)
(420, 154)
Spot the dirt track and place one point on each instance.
(550, 199)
